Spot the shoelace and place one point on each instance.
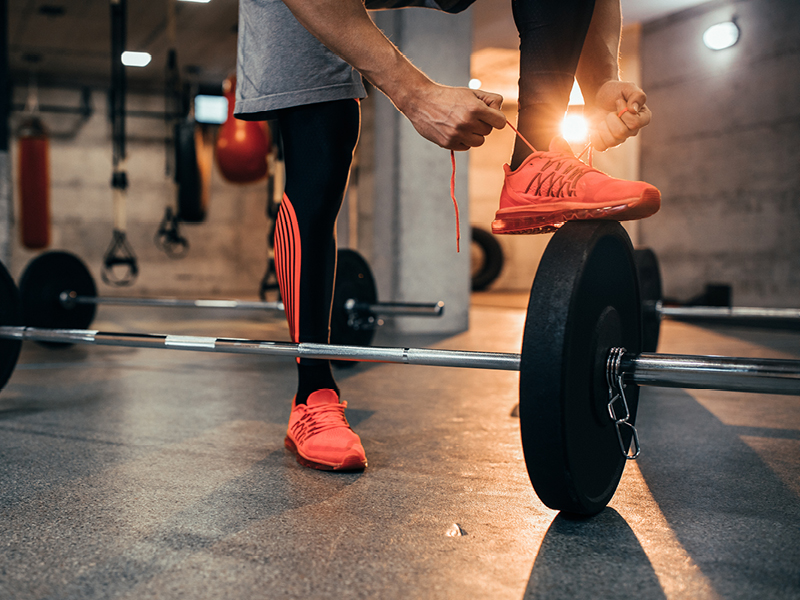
(319, 418)
(552, 181)
(566, 181)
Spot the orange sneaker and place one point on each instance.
(320, 436)
(550, 188)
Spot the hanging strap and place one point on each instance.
(119, 252)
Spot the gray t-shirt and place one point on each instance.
(280, 64)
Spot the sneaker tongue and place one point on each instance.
(322, 397)
(561, 146)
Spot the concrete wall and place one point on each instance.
(724, 148)
(227, 255)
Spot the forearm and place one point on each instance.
(346, 29)
(599, 60)
(456, 118)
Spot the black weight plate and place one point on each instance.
(40, 286)
(487, 259)
(10, 314)
(650, 287)
(353, 280)
(584, 301)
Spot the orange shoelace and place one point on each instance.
(455, 202)
(453, 184)
(318, 419)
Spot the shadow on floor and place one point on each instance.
(734, 516)
(579, 557)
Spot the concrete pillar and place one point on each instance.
(413, 233)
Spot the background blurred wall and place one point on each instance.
(724, 148)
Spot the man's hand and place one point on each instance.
(455, 118)
(618, 112)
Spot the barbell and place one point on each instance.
(580, 365)
(654, 310)
(57, 291)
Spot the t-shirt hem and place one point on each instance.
(272, 102)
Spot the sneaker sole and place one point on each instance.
(532, 220)
(351, 463)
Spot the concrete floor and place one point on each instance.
(131, 473)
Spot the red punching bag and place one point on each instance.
(34, 184)
(242, 146)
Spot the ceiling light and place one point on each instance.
(136, 59)
(721, 35)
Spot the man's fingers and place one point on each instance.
(493, 117)
(492, 114)
(616, 128)
(473, 140)
(609, 133)
(635, 121)
(644, 117)
(635, 100)
(482, 128)
(491, 99)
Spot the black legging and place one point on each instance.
(318, 145)
(551, 35)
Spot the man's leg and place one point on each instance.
(318, 144)
(551, 34)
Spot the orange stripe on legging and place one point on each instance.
(287, 264)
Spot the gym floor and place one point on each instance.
(132, 473)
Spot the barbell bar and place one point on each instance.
(578, 383)
(768, 376)
(654, 310)
(69, 298)
(724, 312)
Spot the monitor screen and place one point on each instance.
(210, 109)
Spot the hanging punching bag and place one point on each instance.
(34, 184)
(191, 203)
(242, 146)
